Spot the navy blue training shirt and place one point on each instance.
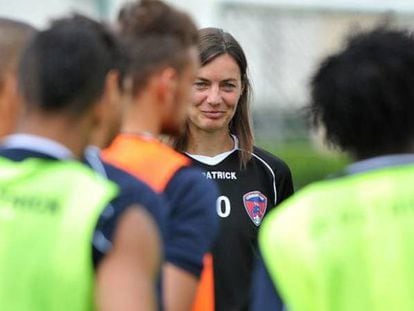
(192, 219)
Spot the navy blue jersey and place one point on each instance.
(264, 296)
(132, 191)
(192, 223)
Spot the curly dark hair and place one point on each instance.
(364, 94)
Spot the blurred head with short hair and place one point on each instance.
(14, 35)
(69, 72)
(161, 42)
(364, 94)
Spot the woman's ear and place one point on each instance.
(243, 83)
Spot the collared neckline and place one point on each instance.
(217, 158)
(38, 144)
(379, 163)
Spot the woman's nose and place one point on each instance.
(214, 96)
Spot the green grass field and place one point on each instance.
(305, 161)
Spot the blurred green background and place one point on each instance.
(287, 134)
(306, 162)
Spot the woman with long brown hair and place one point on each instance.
(219, 140)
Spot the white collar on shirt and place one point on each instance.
(217, 158)
(37, 144)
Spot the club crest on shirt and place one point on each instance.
(255, 204)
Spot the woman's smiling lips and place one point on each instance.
(213, 114)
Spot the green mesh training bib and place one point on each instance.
(48, 212)
(345, 244)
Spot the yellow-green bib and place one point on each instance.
(345, 244)
(48, 212)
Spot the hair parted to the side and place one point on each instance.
(156, 36)
(214, 42)
(364, 95)
(64, 67)
(14, 36)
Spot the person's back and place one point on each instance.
(346, 243)
(40, 203)
(355, 253)
(56, 253)
(161, 69)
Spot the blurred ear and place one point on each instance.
(10, 103)
(8, 89)
(167, 87)
(107, 111)
(107, 97)
(111, 91)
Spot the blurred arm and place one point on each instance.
(179, 288)
(126, 278)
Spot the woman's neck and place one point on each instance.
(209, 143)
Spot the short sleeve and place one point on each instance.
(132, 192)
(192, 220)
(284, 182)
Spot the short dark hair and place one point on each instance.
(364, 95)
(14, 36)
(65, 66)
(156, 36)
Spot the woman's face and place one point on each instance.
(216, 92)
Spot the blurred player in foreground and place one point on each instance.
(347, 244)
(131, 190)
(162, 42)
(53, 209)
(219, 140)
(14, 36)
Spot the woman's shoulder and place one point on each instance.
(270, 159)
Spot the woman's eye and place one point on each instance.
(229, 87)
(200, 84)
